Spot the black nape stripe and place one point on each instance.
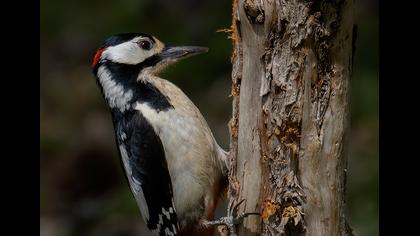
(127, 69)
(149, 94)
(144, 92)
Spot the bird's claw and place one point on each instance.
(232, 220)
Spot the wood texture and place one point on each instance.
(292, 65)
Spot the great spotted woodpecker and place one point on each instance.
(173, 164)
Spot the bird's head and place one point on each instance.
(142, 50)
(124, 59)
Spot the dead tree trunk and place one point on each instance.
(292, 63)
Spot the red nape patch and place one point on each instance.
(97, 56)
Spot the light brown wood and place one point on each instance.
(292, 65)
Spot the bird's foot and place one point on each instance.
(227, 225)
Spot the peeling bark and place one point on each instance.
(292, 64)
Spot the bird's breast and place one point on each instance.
(190, 150)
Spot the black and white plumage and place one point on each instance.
(173, 164)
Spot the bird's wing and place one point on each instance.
(144, 160)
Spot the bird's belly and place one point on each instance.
(188, 156)
(189, 151)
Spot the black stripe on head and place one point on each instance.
(122, 38)
(144, 92)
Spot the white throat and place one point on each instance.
(114, 93)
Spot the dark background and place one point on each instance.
(83, 190)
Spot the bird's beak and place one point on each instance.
(174, 53)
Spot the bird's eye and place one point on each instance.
(144, 44)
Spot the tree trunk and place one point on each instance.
(292, 63)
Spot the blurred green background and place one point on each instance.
(83, 190)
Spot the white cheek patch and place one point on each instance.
(126, 53)
(130, 52)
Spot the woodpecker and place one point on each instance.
(175, 168)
